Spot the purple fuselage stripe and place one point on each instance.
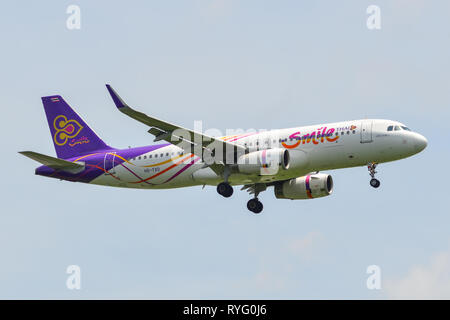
(141, 179)
(183, 169)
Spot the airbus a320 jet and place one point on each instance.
(289, 160)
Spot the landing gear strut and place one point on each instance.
(373, 182)
(224, 188)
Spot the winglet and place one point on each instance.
(116, 98)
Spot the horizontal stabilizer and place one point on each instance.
(55, 163)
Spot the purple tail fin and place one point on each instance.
(70, 134)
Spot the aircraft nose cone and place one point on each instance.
(420, 143)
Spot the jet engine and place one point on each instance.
(264, 162)
(307, 187)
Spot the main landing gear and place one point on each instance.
(373, 182)
(224, 189)
(254, 205)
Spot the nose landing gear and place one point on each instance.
(373, 182)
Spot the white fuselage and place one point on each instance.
(322, 147)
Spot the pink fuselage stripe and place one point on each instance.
(240, 137)
(308, 187)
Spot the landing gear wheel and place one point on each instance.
(374, 183)
(224, 189)
(254, 205)
(259, 208)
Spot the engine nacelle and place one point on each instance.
(264, 162)
(306, 187)
(298, 160)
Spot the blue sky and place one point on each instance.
(231, 64)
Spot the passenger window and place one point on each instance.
(161, 155)
(156, 155)
(139, 158)
(354, 131)
(167, 154)
(149, 156)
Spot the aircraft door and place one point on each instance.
(108, 163)
(366, 131)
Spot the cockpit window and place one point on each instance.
(398, 128)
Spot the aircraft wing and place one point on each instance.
(54, 163)
(174, 134)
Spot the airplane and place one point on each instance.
(289, 160)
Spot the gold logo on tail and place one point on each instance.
(65, 129)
